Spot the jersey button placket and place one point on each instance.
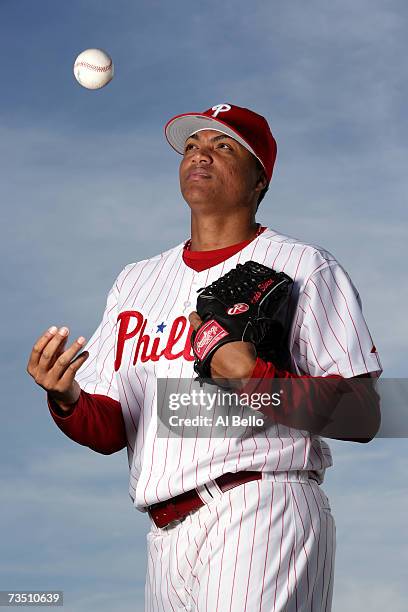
(190, 303)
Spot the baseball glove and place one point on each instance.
(246, 304)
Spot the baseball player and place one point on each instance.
(236, 523)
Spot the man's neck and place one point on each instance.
(209, 236)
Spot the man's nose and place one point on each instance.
(203, 155)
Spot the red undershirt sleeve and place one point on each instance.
(299, 401)
(94, 420)
(311, 403)
(266, 369)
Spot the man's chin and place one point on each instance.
(201, 205)
(198, 196)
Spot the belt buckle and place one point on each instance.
(169, 515)
(178, 516)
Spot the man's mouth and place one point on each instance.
(198, 174)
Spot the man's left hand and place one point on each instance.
(232, 361)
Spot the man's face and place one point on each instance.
(216, 171)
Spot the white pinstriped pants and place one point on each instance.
(267, 545)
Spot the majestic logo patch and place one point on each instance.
(238, 309)
(208, 336)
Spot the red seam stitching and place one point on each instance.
(92, 67)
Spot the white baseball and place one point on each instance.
(93, 68)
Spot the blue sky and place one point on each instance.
(89, 184)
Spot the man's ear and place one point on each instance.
(261, 182)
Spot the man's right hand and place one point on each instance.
(54, 369)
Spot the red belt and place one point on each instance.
(178, 507)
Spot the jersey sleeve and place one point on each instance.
(330, 333)
(95, 421)
(97, 374)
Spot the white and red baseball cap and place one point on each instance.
(246, 127)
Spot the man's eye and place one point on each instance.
(189, 146)
(224, 144)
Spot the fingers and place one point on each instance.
(48, 361)
(72, 368)
(52, 349)
(54, 368)
(38, 348)
(63, 361)
(195, 320)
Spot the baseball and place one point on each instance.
(93, 68)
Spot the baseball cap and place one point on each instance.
(245, 126)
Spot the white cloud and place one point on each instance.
(375, 595)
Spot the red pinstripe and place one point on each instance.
(328, 603)
(292, 553)
(195, 576)
(318, 539)
(324, 565)
(168, 594)
(276, 469)
(154, 583)
(144, 286)
(199, 558)
(288, 258)
(181, 447)
(276, 257)
(126, 299)
(178, 293)
(315, 357)
(129, 269)
(219, 581)
(151, 463)
(352, 320)
(181, 576)
(253, 541)
(144, 417)
(325, 312)
(161, 568)
(236, 556)
(267, 547)
(322, 338)
(165, 458)
(317, 269)
(303, 544)
(208, 580)
(294, 278)
(266, 253)
(292, 449)
(305, 449)
(130, 413)
(135, 399)
(280, 551)
(127, 403)
(339, 315)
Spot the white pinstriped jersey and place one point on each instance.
(150, 302)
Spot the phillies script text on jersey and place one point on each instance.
(152, 351)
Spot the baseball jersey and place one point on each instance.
(145, 335)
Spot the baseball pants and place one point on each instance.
(264, 546)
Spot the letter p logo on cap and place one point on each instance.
(220, 108)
